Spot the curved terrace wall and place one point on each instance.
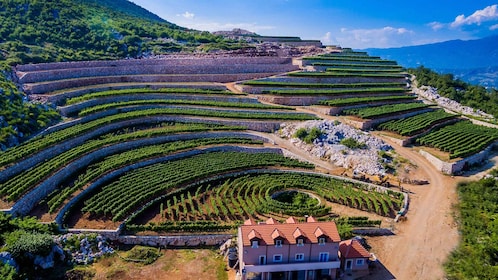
(39, 88)
(28, 201)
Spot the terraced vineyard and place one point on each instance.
(378, 111)
(133, 141)
(460, 139)
(413, 125)
(256, 195)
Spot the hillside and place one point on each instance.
(69, 30)
(474, 61)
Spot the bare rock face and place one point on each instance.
(361, 160)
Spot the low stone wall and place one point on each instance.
(25, 204)
(59, 99)
(46, 87)
(176, 240)
(119, 172)
(371, 123)
(63, 74)
(75, 108)
(458, 166)
(183, 60)
(334, 80)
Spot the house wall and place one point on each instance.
(331, 248)
(251, 255)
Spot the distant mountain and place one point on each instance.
(474, 61)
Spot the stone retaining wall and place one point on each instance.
(176, 240)
(25, 204)
(59, 99)
(46, 87)
(458, 166)
(119, 172)
(75, 108)
(63, 74)
(172, 61)
(368, 124)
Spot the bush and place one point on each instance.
(353, 144)
(19, 243)
(308, 136)
(146, 255)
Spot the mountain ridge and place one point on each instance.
(474, 61)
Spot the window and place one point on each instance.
(262, 260)
(300, 242)
(324, 257)
(359, 262)
(299, 257)
(278, 243)
(321, 241)
(277, 258)
(255, 244)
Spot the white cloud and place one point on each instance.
(487, 14)
(493, 27)
(375, 38)
(436, 25)
(186, 15)
(327, 38)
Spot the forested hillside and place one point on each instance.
(33, 31)
(40, 31)
(474, 96)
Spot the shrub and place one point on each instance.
(19, 243)
(353, 144)
(308, 136)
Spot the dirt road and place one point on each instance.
(422, 243)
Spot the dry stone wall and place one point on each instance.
(119, 172)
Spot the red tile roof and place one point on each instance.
(254, 234)
(287, 230)
(249, 222)
(298, 233)
(271, 221)
(291, 220)
(352, 249)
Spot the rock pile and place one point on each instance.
(432, 94)
(360, 161)
(84, 249)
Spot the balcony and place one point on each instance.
(292, 266)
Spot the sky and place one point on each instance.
(357, 24)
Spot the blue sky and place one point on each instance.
(350, 23)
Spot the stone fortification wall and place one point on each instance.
(46, 87)
(458, 166)
(173, 61)
(119, 172)
(25, 204)
(72, 109)
(63, 74)
(59, 98)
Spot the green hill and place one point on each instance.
(34, 31)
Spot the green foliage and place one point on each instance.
(20, 119)
(7, 272)
(42, 31)
(145, 255)
(19, 243)
(378, 111)
(353, 143)
(415, 124)
(473, 96)
(308, 136)
(360, 100)
(476, 255)
(461, 139)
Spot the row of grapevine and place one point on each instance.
(378, 111)
(116, 161)
(251, 196)
(460, 139)
(109, 93)
(363, 100)
(247, 105)
(415, 124)
(119, 198)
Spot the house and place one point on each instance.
(288, 251)
(354, 257)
